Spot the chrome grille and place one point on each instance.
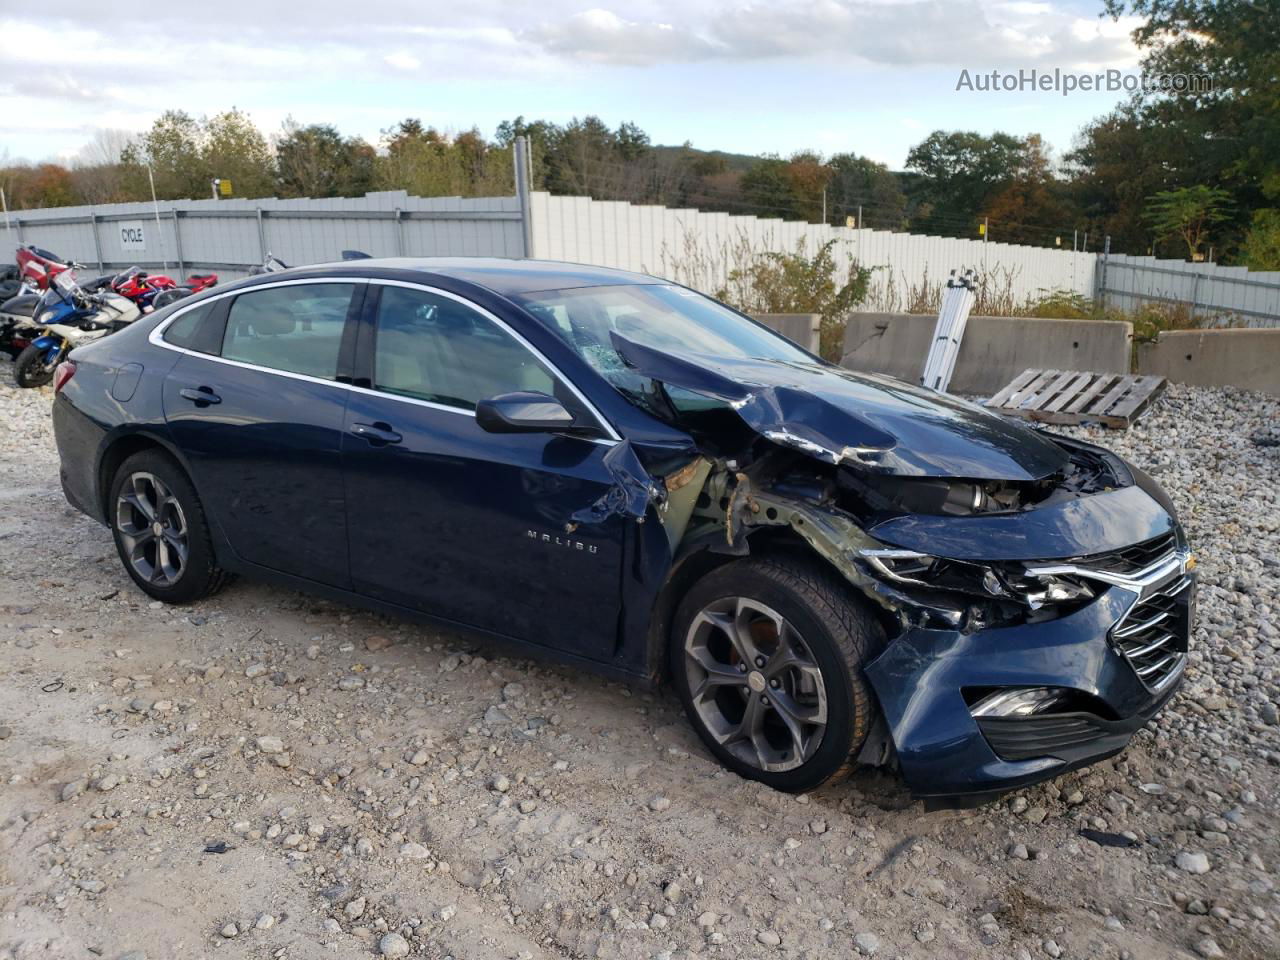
(1132, 559)
(1153, 634)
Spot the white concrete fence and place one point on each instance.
(688, 246)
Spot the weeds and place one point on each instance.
(797, 283)
(756, 282)
(832, 284)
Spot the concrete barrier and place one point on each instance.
(994, 349)
(801, 328)
(1248, 358)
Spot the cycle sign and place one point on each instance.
(133, 235)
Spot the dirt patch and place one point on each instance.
(369, 777)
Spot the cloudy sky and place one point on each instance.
(870, 76)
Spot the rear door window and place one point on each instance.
(296, 328)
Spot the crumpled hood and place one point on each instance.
(861, 419)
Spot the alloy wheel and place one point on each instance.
(153, 529)
(755, 684)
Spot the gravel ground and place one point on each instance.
(266, 775)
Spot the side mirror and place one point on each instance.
(523, 412)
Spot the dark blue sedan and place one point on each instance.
(829, 567)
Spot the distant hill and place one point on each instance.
(734, 162)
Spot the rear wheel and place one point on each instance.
(31, 369)
(160, 530)
(767, 657)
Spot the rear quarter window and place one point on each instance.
(198, 329)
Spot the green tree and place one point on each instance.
(1262, 244)
(959, 171)
(1227, 131)
(172, 149)
(540, 134)
(28, 187)
(317, 161)
(1114, 166)
(860, 182)
(587, 159)
(1187, 213)
(233, 148)
(1034, 206)
(766, 188)
(428, 163)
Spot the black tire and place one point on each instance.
(29, 368)
(198, 574)
(840, 636)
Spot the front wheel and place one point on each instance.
(767, 656)
(32, 369)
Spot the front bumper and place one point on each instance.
(947, 754)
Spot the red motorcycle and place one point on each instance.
(36, 266)
(151, 291)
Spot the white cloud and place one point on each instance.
(402, 61)
(507, 57)
(604, 37)
(908, 33)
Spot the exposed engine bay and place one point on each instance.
(768, 465)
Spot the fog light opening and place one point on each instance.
(1020, 702)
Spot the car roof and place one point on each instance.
(504, 276)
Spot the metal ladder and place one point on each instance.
(957, 300)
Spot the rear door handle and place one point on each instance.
(200, 396)
(376, 433)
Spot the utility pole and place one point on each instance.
(986, 228)
(155, 206)
(4, 202)
(523, 174)
(1100, 296)
(824, 204)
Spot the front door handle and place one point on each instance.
(377, 433)
(200, 396)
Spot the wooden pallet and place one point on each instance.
(1069, 396)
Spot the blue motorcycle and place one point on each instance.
(65, 317)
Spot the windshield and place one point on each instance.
(665, 317)
(662, 316)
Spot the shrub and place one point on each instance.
(775, 282)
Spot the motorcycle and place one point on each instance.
(38, 266)
(17, 313)
(272, 264)
(66, 317)
(33, 270)
(196, 282)
(153, 291)
(9, 281)
(15, 317)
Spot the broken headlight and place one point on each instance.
(996, 581)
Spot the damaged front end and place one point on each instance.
(1036, 592)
